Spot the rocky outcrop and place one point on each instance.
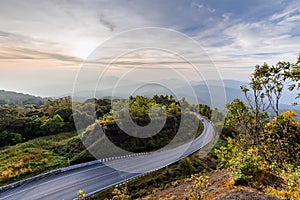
(244, 195)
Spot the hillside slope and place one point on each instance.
(14, 98)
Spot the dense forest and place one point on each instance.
(22, 123)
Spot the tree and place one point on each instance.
(281, 139)
(53, 125)
(17, 138)
(174, 108)
(267, 84)
(241, 121)
(205, 110)
(5, 138)
(243, 160)
(53, 105)
(294, 76)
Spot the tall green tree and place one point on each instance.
(294, 76)
(267, 85)
(241, 121)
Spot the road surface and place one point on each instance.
(100, 176)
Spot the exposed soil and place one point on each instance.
(221, 187)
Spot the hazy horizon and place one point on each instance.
(45, 43)
(130, 83)
(231, 87)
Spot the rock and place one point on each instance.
(244, 195)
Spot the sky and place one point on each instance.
(45, 43)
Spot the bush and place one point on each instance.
(17, 139)
(198, 189)
(243, 161)
(281, 140)
(120, 194)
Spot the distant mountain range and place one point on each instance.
(209, 92)
(14, 98)
(213, 93)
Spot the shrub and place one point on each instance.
(281, 139)
(120, 194)
(198, 189)
(242, 160)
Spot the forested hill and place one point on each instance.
(14, 98)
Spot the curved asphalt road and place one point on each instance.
(100, 176)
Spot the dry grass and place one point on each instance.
(35, 156)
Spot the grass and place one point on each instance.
(38, 156)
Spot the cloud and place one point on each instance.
(111, 26)
(11, 39)
(32, 54)
(211, 10)
(17, 46)
(201, 6)
(292, 9)
(238, 43)
(235, 35)
(226, 16)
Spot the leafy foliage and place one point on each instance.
(245, 162)
(281, 139)
(267, 84)
(264, 148)
(199, 185)
(18, 124)
(139, 109)
(120, 194)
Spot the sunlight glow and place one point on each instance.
(83, 50)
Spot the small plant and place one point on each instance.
(7, 173)
(120, 194)
(198, 189)
(81, 195)
(292, 176)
